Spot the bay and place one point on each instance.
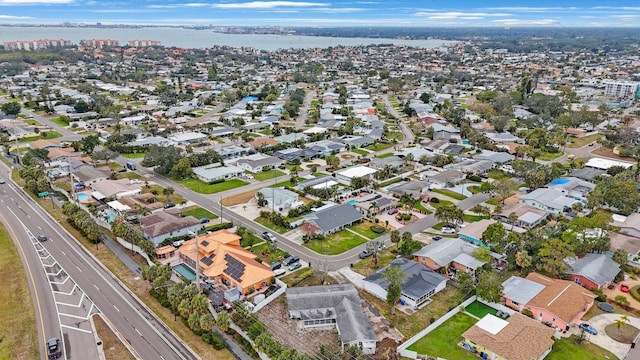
(191, 38)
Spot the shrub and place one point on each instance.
(377, 229)
(218, 342)
(474, 177)
(528, 313)
(635, 292)
(434, 200)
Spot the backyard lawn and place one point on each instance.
(204, 188)
(268, 175)
(360, 152)
(199, 213)
(580, 142)
(479, 309)
(450, 193)
(378, 146)
(364, 229)
(498, 174)
(385, 155)
(336, 243)
(443, 341)
(60, 122)
(567, 349)
(133, 155)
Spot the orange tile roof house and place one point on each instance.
(223, 260)
(519, 338)
(558, 303)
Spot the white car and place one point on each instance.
(279, 272)
(448, 230)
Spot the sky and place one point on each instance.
(425, 13)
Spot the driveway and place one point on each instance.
(600, 322)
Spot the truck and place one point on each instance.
(130, 165)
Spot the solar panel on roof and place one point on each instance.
(235, 268)
(204, 243)
(206, 260)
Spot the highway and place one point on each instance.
(69, 285)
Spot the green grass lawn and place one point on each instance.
(265, 253)
(204, 188)
(450, 193)
(284, 183)
(443, 341)
(567, 349)
(199, 213)
(441, 203)
(418, 205)
(129, 175)
(493, 201)
(360, 152)
(48, 135)
(133, 155)
(319, 174)
(268, 175)
(498, 174)
(336, 243)
(59, 121)
(392, 181)
(379, 146)
(580, 142)
(473, 218)
(365, 266)
(547, 156)
(480, 310)
(268, 224)
(385, 155)
(364, 229)
(395, 135)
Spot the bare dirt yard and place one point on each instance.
(276, 319)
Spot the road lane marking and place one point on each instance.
(78, 268)
(63, 253)
(118, 310)
(138, 331)
(77, 329)
(96, 286)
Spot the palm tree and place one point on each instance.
(395, 237)
(168, 191)
(513, 217)
(621, 321)
(373, 208)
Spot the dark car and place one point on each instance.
(169, 205)
(42, 238)
(122, 170)
(290, 260)
(588, 328)
(275, 266)
(365, 254)
(437, 238)
(204, 220)
(392, 211)
(53, 348)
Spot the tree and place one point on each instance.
(482, 253)
(89, 143)
(513, 217)
(620, 256)
(407, 236)
(466, 283)
(168, 191)
(552, 255)
(394, 276)
(182, 169)
(332, 161)
(395, 237)
(449, 214)
(223, 321)
(505, 188)
(489, 286)
(374, 247)
(621, 321)
(11, 108)
(81, 106)
(523, 259)
(262, 202)
(622, 300)
(495, 236)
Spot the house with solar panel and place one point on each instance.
(223, 261)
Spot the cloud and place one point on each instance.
(528, 22)
(453, 15)
(532, 9)
(625, 17)
(11, 17)
(267, 5)
(35, 2)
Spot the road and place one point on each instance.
(304, 109)
(408, 137)
(77, 285)
(67, 134)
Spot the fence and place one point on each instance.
(266, 301)
(403, 348)
(134, 247)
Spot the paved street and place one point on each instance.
(408, 136)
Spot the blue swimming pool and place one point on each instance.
(559, 181)
(83, 197)
(351, 202)
(185, 271)
(111, 217)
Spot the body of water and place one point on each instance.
(190, 38)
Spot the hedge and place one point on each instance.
(377, 229)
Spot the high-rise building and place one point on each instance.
(621, 89)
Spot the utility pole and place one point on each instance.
(197, 260)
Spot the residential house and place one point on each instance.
(473, 231)
(528, 216)
(187, 138)
(379, 163)
(496, 157)
(233, 151)
(374, 204)
(356, 142)
(420, 284)
(450, 256)
(573, 187)
(445, 132)
(557, 303)
(414, 187)
(258, 162)
(159, 226)
(335, 218)
(117, 188)
(503, 138)
(222, 260)
(87, 174)
(329, 305)
(214, 172)
(291, 138)
(436, 147)
(345, 176)
(518, 338)
(279, 198)
(222, 131)
(295, 155)
(445, 178)
(551, 200)
(263, 142)
(629, 225)
(593, 271)
(45, 144)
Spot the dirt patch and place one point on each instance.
(607, 152)
(290, 332)
(624, 334)
(239, 198)
(113, 347)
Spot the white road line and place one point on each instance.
(76, 316)
(94, 285)
(63, 253)
(77, 329)
(78, 268)
(118, 310)
(60, 283)
(138, 331)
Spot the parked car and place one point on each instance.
(53, 348)
(275, 266)
(269, 236)
(365, 254)
(248, 176)
(295, 266)
(502, 314)
(42, 238)
(588, 328)
(437, 238)
(448, 230)
(2, 181)
(204, 220)
(392, 211)
(279, 272)
(624, 288)
(290, 260)
(282, 167)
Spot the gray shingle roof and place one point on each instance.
(595, 267)
(334, 217)
(419, 278)
(446, 250)
(340, 302)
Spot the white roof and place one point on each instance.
(492, 324)
(316, 130)
(326, 184)
(117, 205)
(357, 171)
(605, 164)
